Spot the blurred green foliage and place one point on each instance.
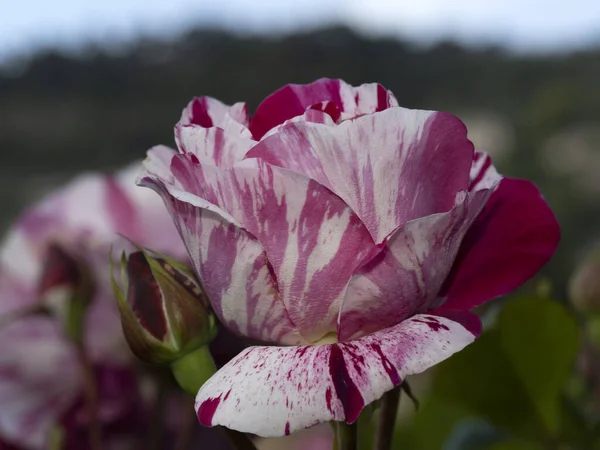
(509, 390)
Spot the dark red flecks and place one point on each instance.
(207, 409)
(387, 365)
(344, 386)
(467, 319)
(328, 399)
(194, 158)
(227, 395)
(287, 428)
(433, 324)
(144, 295)
(301, 351)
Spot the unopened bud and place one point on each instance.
(66, 288)
(584, 286)
(164, 312)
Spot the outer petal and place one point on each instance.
(154, 226)
(406, 276)
(209, 112)
(213, 146)
(39, 379)
(271, 391)
(231, 264)
(311, 237)
(292, 100)
(390, 167)
(513, 237)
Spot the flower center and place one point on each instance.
(329, 338)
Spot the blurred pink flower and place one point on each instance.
(40, 383)
(353, 233)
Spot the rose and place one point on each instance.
(356, 233)
(47, 256)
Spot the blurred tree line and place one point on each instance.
(62, 113)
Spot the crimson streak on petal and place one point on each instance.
(345, 388)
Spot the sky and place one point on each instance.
(522, 25)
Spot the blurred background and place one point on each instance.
(93, 85)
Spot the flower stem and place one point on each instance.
(387, 420)
(347, 436)
(239, 441)
(90, 391)
(193, 370)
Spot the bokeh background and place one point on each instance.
(93, 85)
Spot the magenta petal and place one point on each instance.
(406, 276)
(273, 391)
(292, 100)
(390, 167)
(231, 265)
(312, 239)
(209, 112)
(513, 237)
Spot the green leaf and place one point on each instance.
(481, 379)
(541, 339)
(515, 374)
(515, 445)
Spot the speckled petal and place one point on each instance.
(274, 391)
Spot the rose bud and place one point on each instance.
(164, 312)
(584, 286)
(66, 288)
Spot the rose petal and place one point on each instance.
(39, 378)
(390, 167)
(213, 146)
(312, 239)
(231, 265)
(272, 391)
(512, 238)
(209, 112)
(156, 229)
(293, 99)
(483, 174)
(406, 276)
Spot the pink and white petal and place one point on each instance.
(390, 167)
(483, 174)
(273, 391)
(293, 99)
(209, 112)
(92, 209)
(214, 146)
(312, 239)
(231, 265)
(405, 277)
(38, 380)
(155, 226)
(512, 238)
